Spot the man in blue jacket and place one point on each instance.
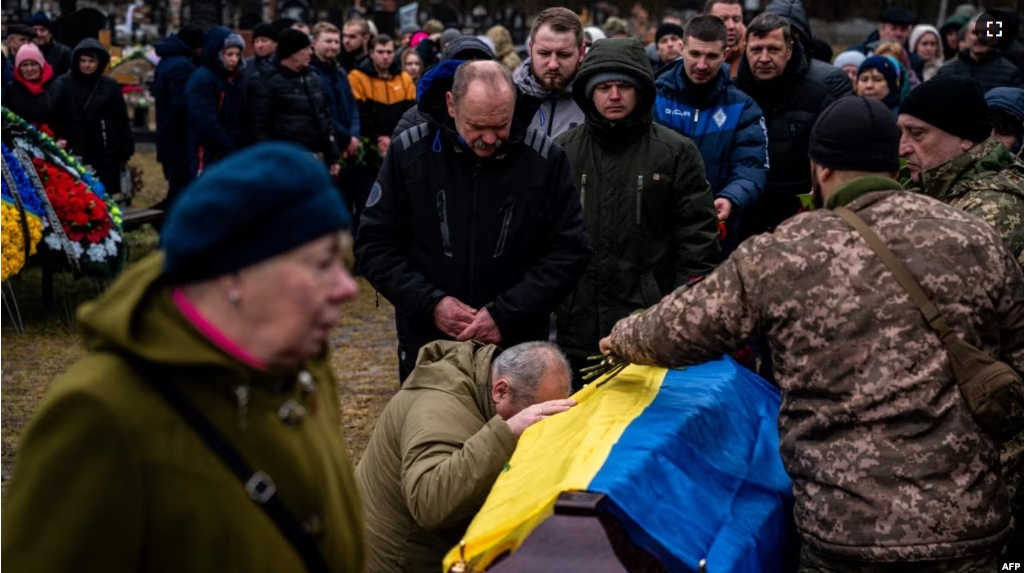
(180, 55)
(327, 44)
(697, 99)
(342, 106)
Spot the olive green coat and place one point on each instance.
(437, 449)
(109, 478)
(647, 205)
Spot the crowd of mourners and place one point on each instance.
(857, 221)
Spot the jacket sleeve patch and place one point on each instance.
(375, 195)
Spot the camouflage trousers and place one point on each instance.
(812, 562)
(1012, 458)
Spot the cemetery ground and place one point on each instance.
(362, 346)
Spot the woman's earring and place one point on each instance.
(234, 298)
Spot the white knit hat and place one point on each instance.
(849, 58)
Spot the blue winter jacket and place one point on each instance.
(217, 106)
(177, 62)
(340, 101)
(727, 126)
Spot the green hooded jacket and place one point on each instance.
(437, 449)
(985, 181)
(109, 478)
(647, 205)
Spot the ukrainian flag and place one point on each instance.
(688, 458)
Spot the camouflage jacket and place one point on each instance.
(886, 460)
(985, 181)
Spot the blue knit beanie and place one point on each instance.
(258, 203)
(41, 19)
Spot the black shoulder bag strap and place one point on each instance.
(258, 485)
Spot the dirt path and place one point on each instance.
(364, 360)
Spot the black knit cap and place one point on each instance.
(668, 29)
(265, 30)
(856, 134)
(192, 36)
(955, 104)
(291, 41)
(898, 15)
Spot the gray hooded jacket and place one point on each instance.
(558, 112)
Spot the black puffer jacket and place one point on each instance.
(791, 103)
(647, 205)
(291, 106)
(58, 56)
(833, 78)
(991, 71)
(504, 232)
(90, 113)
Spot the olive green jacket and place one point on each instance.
(647, 205)
(437, 449)
(109, 478)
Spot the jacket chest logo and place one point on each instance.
(719, 117)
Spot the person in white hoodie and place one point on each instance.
(925, 42)
(556, 50)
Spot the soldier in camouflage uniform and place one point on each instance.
(946, 140)
(890, 471)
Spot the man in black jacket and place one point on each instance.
(984, 62)
(288, 102)
(473, 229)
(265, 41)
(774, 72)
(57, 54)
(823, 72)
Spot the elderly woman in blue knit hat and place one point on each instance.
(201, 430)
(881, 78)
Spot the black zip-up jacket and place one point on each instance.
(504, 232)
(292, 106)
(791, 103)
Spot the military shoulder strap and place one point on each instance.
(990, 388)
(900, 272)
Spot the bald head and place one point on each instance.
(481, 103)
(489, 77)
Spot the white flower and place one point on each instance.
(111, 247)
(53, 242)
(97, 253)
(76, 250)
(114, 236)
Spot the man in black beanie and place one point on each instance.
(288, 103)
(265, 41)
(873, 430)
(57, 54)
(669, 42)
(951, 157)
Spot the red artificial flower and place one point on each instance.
(721, 234)
(82, 214)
